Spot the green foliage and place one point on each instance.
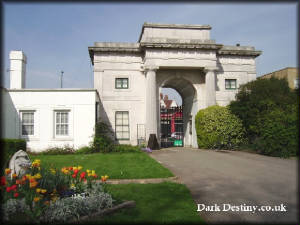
(258, 97)
(102, 144)
(103, 138)
(279, 132)
(56, 151)
(126, 148)
(84, 150)
(218, 128)
(269, 110)
(10, 147)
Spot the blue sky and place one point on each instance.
(56, 36)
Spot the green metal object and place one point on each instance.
(178, 143)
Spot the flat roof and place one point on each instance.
(53, 90)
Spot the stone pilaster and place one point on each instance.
(210, 86)
(151, 101)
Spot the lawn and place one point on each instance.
(116, 165)
(155, 203)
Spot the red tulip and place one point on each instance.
(3, 181)
(16, 194)
(8, 189)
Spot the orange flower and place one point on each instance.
(18, 181)
(36, 199)
(32, 183)
(14, 175)
(104, 178)
(7, 171)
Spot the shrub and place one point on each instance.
(218, 128)
(103, 141)
(85, 150)
(10, 147)
(259, 97)
(102, 144)
(56, 151)
(279, 132)
(269, 110)
(126, 148)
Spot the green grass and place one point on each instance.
(115, 165)
(155, 203)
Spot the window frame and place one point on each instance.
(28, 124)
(116, 112)
(230, 88)
(68, 123)
(121, 78)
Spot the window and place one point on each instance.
(27, 122)
(230, 84)
(61, 123)
(122, 125)
(296, 83)
(121, 83)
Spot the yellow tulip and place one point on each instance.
(38, 190)
(37, 176)
(43, 191)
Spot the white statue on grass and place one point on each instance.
(19, 162)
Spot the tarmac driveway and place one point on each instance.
(224, 179)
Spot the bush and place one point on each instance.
(279, 132)
(103, 141)
(85, 150)
(9, 147)
(269, 110)
(218, 128)
(56, 151)
(259, 97)
(102, 144)
(126, 148)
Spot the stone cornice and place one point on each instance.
(181, 45)
(112, 48)
(240, 52)
(182, 26)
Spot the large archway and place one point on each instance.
(181, 82)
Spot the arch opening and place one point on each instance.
(180, 134)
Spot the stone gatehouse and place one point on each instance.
(128, 77)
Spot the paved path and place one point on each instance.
(236, 178)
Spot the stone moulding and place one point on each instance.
(239, 52)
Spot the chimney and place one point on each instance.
(17, 69)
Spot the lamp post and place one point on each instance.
(61, 77)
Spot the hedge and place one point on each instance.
(218, 128)
(269, 110)
(9, 147)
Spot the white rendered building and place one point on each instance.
(46, 118)
(128, 77)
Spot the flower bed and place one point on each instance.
(46, 194)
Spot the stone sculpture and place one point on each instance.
(19, 162)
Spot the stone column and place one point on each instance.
(151, 102)
(210, 86)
